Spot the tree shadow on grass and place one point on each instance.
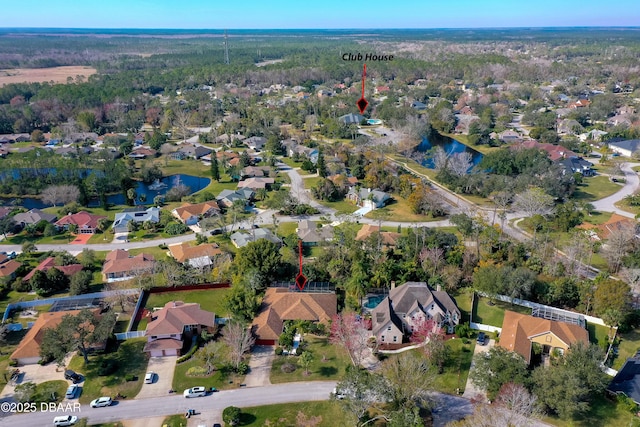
(247, 419)
(327, 371)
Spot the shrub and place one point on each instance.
(279, 351)
(188, 355)
(130, 377)
(242, 368)
(197, 371)
(13, 363)
(288, 368)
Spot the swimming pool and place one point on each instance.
(373, 301)
(374, 122)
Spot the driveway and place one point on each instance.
(260, 366)
(164, 368)
(37, 374)
(632, 182)
(470, 391)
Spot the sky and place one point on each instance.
(301, 14)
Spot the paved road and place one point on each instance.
(630, 187)
(176, 404)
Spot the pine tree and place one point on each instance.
(321, 165)
(215, 169)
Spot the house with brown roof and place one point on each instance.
(190, 214)
(520, 331)
(174, 324)
(256, 183)
(387, 238)
(119, 265)
(196, 256)
(86, 222)
(615, 223)
(279, 304)
(311, 234)
(394, 319)
(50, 262)
(8, 267)
(28, 351)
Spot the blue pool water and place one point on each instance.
(372, 302)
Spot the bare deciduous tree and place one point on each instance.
(239, 340)
(620, 243)
(460, 163)
(440, 159)
(182, 119)
(63, 194)
(534, 201)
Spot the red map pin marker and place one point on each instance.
(363, 103)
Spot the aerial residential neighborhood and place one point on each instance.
(319, 227)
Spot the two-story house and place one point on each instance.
(173, 324)
(394, 319)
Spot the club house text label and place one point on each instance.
(366, 57)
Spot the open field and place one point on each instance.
(33, 75)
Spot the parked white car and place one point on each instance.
(101, 402)
(195, 392)
(148, 379)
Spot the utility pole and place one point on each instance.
(226, 48)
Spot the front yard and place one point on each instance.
(332, 368)
(456, 368)
(330, 413)
(129, 361)
(221, 379)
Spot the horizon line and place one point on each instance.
(334, 29)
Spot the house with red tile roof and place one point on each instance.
(197, 256)
(279, 304)
(28, 351)
(119, 265)
(8, 267)
(520, 331)
(190, 214)
(86, 222)
(68, 270)
(174, 324)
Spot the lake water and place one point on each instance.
(450, 146)
(195, 183)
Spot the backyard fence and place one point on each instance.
(127, 335)
(483, 327)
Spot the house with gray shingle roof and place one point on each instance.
(33, 216)
(367, 197)
(122, 219)
(394, 319)
(240, 239)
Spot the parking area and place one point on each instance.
(164, 368)
(260, 366)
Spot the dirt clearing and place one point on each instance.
(32, 75)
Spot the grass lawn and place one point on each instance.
(629, 345)
(312, 181)
(603, 413)
(625, 206)
(598, 335)
(595, 188)
(175, 421)
(130, 359)
(598, 218)
(341, 207)
(482, 148)
(493, 314)
(98, 238)
(47, 389)
(220, 379)
(209, 299)
(332, 369)
(15, 296)
(286, 228)
(398, 210)
(463, 300)
(11, 342)
(289, 162)
(285, 414)
(456, 368)
(158, 254)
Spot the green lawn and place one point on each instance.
(48, 389)
(456, 368)
(285, 414)
(158, 254)
(178, 420)
(463, 300)
(398, 210)
(628, 347)
(603, 413)
(312, 181)
(11, 342)
(220, 379)
(98, 238)
(209, 299)
(333, 369)
(342, 206)
(289, 162)
(286, 228)
(493, 313)
(130, 359)
(598, 334)
(595, 188)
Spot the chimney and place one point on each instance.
(393, 284)
(438, 287)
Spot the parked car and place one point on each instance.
(101, 402)
(72, 376)
(481, 338)
(216, 231)
(66, 420)
(71, 391)
(148, 379)
(195, 392)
